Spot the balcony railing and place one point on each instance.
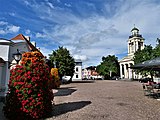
(135, 36)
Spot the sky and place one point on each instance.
(89, 29)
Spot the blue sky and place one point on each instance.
(90, 29)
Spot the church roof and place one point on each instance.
(134, 29)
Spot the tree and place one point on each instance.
(143, 55)
(109, 67)
(63, 61)
(156, 50)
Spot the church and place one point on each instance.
(135, 42)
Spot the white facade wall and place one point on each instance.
(7, 49)
(78, 70)
(78, 73)
(4, 52)
(126, 71)
(86, 74)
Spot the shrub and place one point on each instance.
(56, 80)
(29, 95)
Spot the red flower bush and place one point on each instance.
(29, 95)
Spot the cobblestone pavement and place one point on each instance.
(104, 100)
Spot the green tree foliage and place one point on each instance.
(143, 55)
(109, 66)
(140, 56)
(156, 51)
(63, 61)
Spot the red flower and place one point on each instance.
(28, 72)
(18, 77)
(29, 91)
(20, 83)
(33, 79)
(25, 74)
(13, 73)
(33, 100)
(17, 91)
(29, 77)
(15, 83)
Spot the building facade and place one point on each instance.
(78, 70)
(135, 42)
(8, 48)
(90, 73)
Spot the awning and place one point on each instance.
(153, 64)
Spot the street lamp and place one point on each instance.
(17, 56)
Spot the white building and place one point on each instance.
(7, 49)
(78, 70)
(90, 73)
(135, 42)
(86, 74)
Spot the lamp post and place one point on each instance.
(54, 63)
(110, 73)
(17, 56)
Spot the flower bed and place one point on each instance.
(29, 95)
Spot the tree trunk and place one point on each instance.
(70, 80)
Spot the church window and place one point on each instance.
(76, 76)
(76, 69)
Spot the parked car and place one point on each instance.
(65, 79)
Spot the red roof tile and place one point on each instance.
(19, 37)
(22, 37)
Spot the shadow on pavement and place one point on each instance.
(68, 107)
(64, 91)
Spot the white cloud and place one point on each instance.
(98, 35)
(50, 5)
(68, 5)
(12, 14)
(39, 35)
(26, 2)
(3, 23)
(82, 57)
(45, 51)
(8, 28)
(2, 32)
(27, 31)
(12, 29)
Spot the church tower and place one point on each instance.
(135, 42)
